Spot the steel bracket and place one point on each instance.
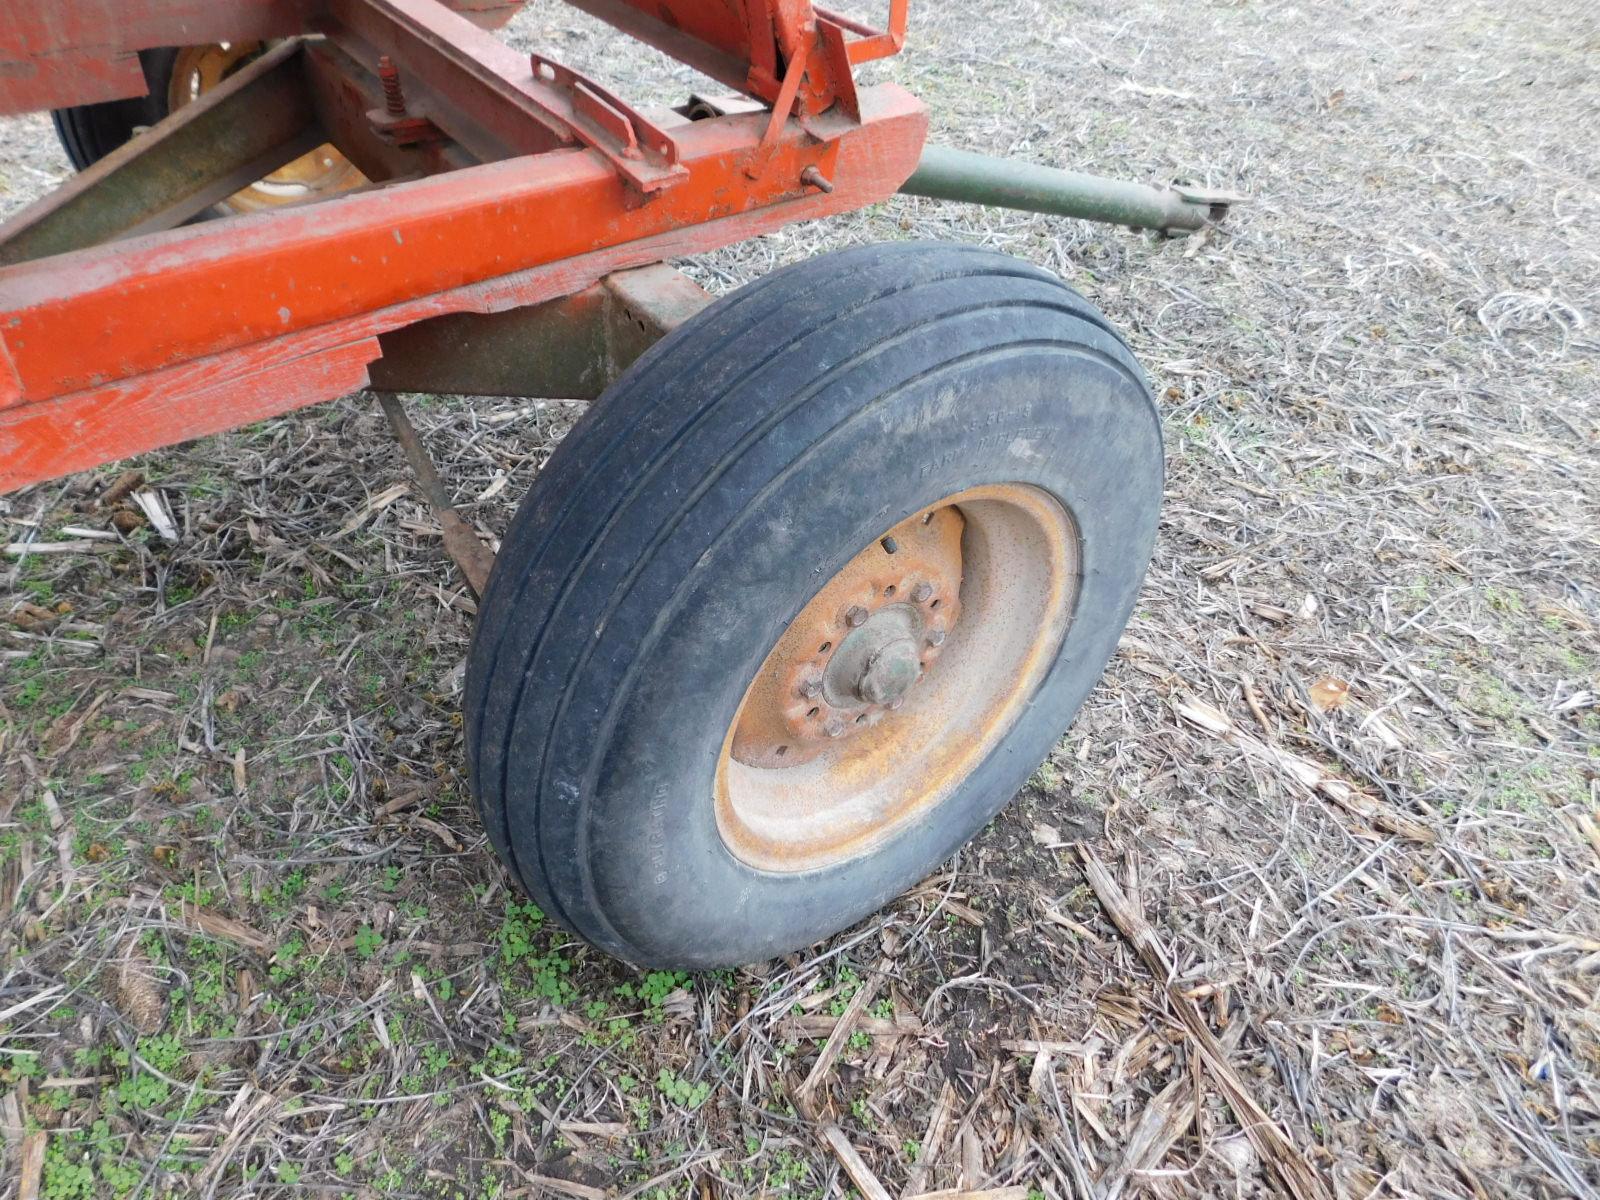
(1216, 201)
(412, 129)
(870, 44)
(573, 348)
(640, 151)
(567, 349)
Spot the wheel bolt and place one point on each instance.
(394, 99)
(936, 637)
(922, 592)
(811, 688)
(834, 728)
(857, 616)
(815, 178)
(896, 702)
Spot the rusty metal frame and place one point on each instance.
(575, 347)
(513, 182)
(480, 90)
(64, 52)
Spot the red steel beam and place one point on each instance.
(153, 340)
(42, 441)
(55, 53)
(718, 43)
(228, 283)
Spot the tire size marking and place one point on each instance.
(658, 832)
(1027, 444)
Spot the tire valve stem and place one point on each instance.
(394, 100)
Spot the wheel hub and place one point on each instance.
(857, 651)
(898, 678)
(877, 663)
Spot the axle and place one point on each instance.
(946, 174)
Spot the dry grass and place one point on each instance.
(256, 940)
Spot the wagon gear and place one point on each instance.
(829, 564)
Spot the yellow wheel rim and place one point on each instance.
(198, 69)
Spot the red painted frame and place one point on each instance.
(124, 347)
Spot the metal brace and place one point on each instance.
(642, 152)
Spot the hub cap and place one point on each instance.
(898, 678)
(878, 663)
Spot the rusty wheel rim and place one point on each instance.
(899, 677)
(198, 69)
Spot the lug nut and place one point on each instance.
(896, 703)
(811, 689)
(834, 728)
(921, 592)
(936, 637)
(856, 617)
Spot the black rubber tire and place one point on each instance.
(89, 132)
(697, 507)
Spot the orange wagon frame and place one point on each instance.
(503, 183)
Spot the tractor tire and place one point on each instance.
(806, 597)
(89, 132)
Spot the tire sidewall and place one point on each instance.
(89, 132)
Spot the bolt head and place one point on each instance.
(936, 637)
(896, 703)
(834, 728)
(856, 616)
(811, 688)
(922, 592)
(816, 179)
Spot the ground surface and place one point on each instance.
(254, 937)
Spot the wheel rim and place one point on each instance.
(898, 678)
(198, 69)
